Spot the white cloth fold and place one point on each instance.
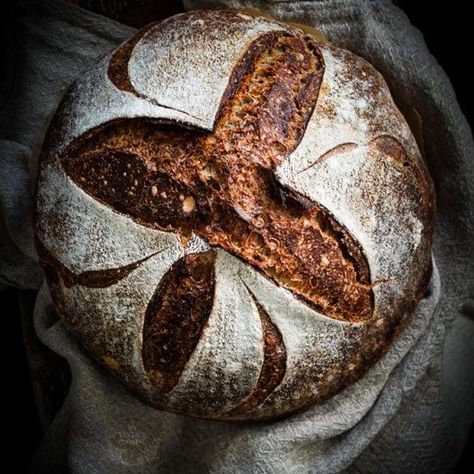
(405, 415)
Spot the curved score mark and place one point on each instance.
(89, 278)
(176, 317)
(118, 69)
(386, 144)
(423, 185)
(342, 148)
(118, 64)
(273, 366)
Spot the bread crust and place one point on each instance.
(234, 218)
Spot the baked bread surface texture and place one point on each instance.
(233, 217)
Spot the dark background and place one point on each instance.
(447, 31)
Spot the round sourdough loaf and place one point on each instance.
(233, 217)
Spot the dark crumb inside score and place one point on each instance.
(221, 185)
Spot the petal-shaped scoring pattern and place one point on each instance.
(354, 107)
(165, 61)
(382, 212)
(229, 355)
(169, 69)
(85, 107)
(83, 234)
(109, 321)
(314, 343)
(374, 193)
